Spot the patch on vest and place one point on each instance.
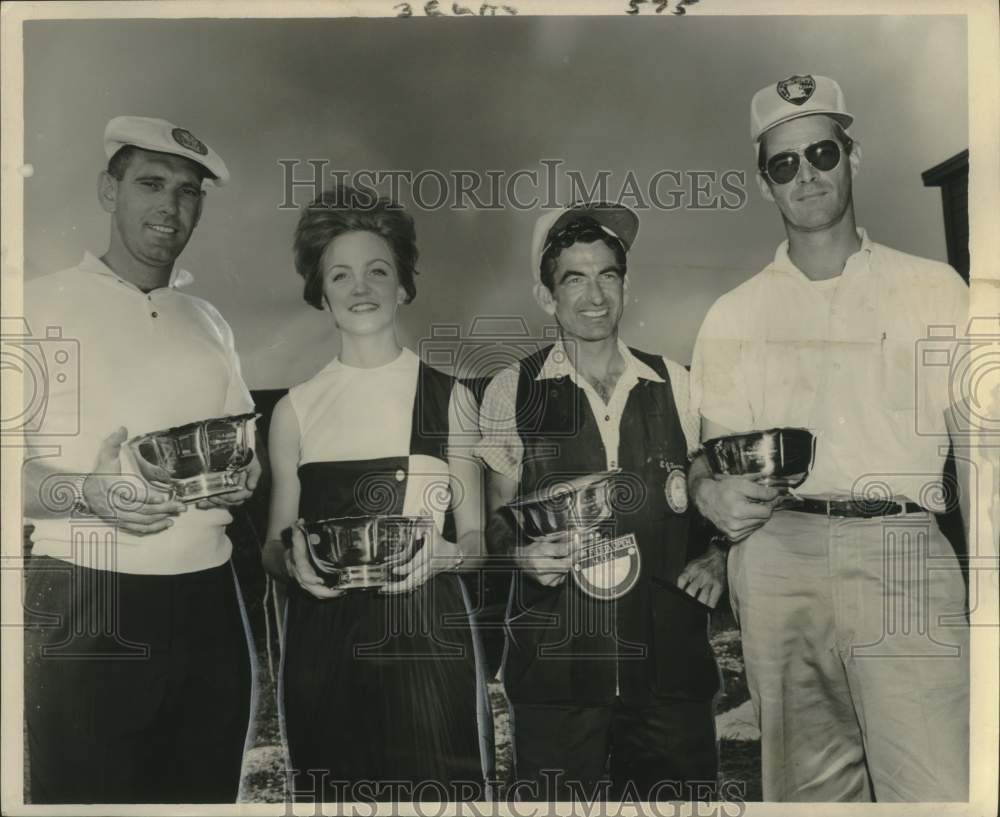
(675, 489)
(607, 569)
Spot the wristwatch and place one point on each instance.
(721, 541)
(80, 504)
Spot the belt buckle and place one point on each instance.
(789, 502)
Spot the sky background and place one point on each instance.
(617, 93)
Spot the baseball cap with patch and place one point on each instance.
(795, 96)
(163, 137)
(615, 219)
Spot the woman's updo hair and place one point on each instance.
(348, 210)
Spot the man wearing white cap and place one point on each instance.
(850, 600)
(138, 669)
(610, 675)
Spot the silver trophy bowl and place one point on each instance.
(359, 552)
(581, 503)
(196, 460)
(581, 512)
(780, 457)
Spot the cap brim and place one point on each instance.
(615, 218)
(845, 119)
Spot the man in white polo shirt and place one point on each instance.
(138, 675)
(850, 600)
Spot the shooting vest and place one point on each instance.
(564, 646)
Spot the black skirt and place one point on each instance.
(381, 687)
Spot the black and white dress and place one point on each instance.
(381, 687)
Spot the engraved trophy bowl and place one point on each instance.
(780, 457)
(603, 566)
(196, 460)
(359, 552)
(580, 504)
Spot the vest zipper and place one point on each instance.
(618, 690)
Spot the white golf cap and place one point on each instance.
(163, 137)
(615, 219)
(798, 95)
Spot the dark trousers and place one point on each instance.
(137, 688)
(664, 751)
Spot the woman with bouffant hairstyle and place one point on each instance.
(377, 684)
(345, 210)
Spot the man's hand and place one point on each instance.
(704, 578)
(299, 569)
(547, 561)
(249, 477)
(435, 556)
(737, 506)
(132, 505)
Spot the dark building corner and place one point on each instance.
(952, 176)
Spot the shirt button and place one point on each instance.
(400, 475)
(613, 464)
(156, 314)
(607, 418)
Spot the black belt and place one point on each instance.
(849, 507)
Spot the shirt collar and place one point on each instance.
(558, 364)
(92, 264)
(782, 263)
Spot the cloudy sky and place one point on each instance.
(624, 95)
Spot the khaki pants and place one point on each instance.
(856, 648)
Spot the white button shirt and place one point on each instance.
(844, 359)
(501, 447)
(117, 356)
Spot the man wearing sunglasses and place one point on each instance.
(619, 684)
(850, 600)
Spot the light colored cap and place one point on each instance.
(615, 219)
(794, 97)
(163, 137)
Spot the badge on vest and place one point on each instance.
(607, 569)
(675, 489)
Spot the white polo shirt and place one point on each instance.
(146, 361)
(501, 447)
(843, 358)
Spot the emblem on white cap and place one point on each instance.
(796, 89)
(188, 140)
(163, 137)
(793, 97)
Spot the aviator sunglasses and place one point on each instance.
(825, 155)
